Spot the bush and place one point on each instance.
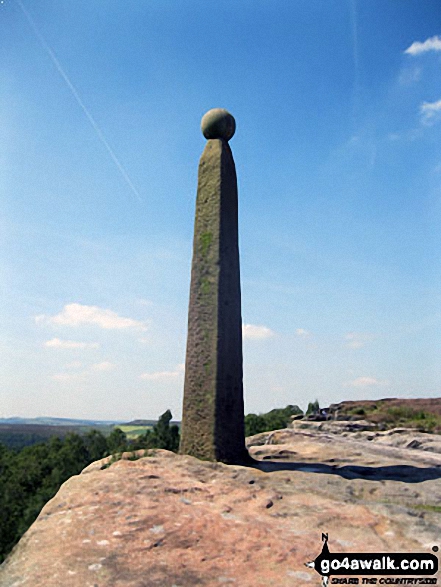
(254, 424)
(162, 436)
(313, 408)
(396, 416)
(274, 420)
(117, 441)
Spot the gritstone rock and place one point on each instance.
(168, 520)
(213, 409)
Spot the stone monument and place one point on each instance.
(213, 410)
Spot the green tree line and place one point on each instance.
(274, 420)
(31, 477)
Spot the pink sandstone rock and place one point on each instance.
(174, 521)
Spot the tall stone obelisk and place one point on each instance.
(213, 411)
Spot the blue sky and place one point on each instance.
(338, 155)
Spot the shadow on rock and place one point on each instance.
(406, 473)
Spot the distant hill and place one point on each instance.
(149, 423)
(16, 433)
(46, 421)
(140, 423)
(17, 436)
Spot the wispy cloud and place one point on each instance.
(408, 136)
(303, 333)
(253, 332)
(56, 343)
(437, 168)
(66, 377)
(74, 365)
(430, 112)
(432, 44)
(409, 76)
(357, 340)
(79, 315)
(144, 302)
(164, 375)
(104, 366)
(365, 382)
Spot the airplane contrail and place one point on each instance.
(354, 31)
(79, 100)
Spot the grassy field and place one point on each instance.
(17, 436)
(133, 431)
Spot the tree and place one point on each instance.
(116, 441)
(313, 408)
(96, 445)
(161, 436)
(32, 476)
(72, 457)
(166, 436)
(254, 424)
(274, 420)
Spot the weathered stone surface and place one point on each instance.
(169, 520)
(213, 412)
(363, 430)
(393, 447)
(218, 124)
(335, 426)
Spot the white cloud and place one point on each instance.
(82, 375)
(74, 365)
(432, 44)
(79, 314)
(430, 112)
(164, 375)
(56, 343)
(144, 302)
(409, 135)
(303, 332)
(365, 382)
(355, 344)
(104, 366)
(66, 377)
(253, 332)
(357, 340)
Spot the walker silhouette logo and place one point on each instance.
(356, 563)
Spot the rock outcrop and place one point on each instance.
(429, 405)
(175, 521)
(360, 430)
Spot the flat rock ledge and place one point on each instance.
(175, 521)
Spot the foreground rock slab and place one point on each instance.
(174, 521)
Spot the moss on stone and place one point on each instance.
(205, 286)
(212, 420)
(205, 240)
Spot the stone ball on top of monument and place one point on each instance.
(218, 123)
